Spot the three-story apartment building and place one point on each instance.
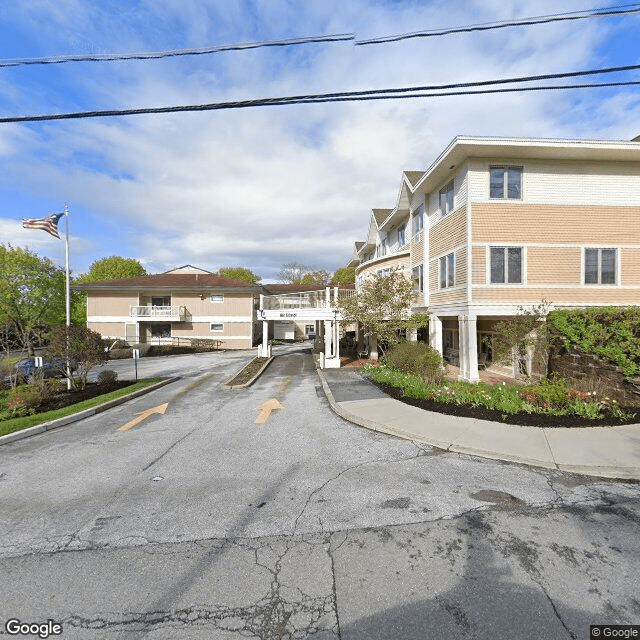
(497, 224)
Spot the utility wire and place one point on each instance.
(487, 26)
(427, 91)
(103, 57)
(341, 37)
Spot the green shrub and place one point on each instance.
(416, 358)
(611, 333)
(22, 401)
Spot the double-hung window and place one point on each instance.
(506, 265)
(418, 220)
(505, 183)
(446, 198)
(600, 266)
(447, 271)
(402, 235)
(217, 298)
(417, 276)
(217, 327)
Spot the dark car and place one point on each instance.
(25, 370)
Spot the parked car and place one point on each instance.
(25, 370)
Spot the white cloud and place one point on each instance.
(260, 187)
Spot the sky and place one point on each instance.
(265, 186)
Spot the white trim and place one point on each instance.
(448, 251)
(542, 285)
(599, 285)
(561, 245)
(127, 319)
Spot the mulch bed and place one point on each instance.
(523, 419)
(248, 372)
(64, 398)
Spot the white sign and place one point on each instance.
(136, 354)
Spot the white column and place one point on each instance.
(328, 336)
(264, 351)
(468, 348)
(435, 333)
(373, 348)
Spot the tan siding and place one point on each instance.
(573, 295)
(553, 266)
(479, 265)
(235, 304)
(507, 222)
(108, 329)
(461, 266)
(451, 232)
(630, 266)
(447, 295)
(417, 251)
(433, 277)
(110, 303)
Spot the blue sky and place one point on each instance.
(261, 187)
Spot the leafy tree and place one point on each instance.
(79, 345)
(522, 334)
(113, 268)
(239, 273)
(382, 306)
(296, 273)
(32, 293)
(344, 275)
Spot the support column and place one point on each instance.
(435, 333)
(468, 348)
(373, 348)
(332, 348)
(265, 350)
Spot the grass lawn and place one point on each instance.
(17, 424)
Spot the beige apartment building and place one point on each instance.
(496, 224)
(186, 302)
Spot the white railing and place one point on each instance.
(306, 300)
(173, 312)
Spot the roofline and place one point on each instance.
(478, 146)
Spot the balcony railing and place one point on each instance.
(174, 313)
(306, 300)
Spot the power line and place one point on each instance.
(104, 57)
(427, 91)
(487, 26)
(341, 37)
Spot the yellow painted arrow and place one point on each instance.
(161, 408)
(265, 410)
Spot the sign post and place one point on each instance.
(136, 356)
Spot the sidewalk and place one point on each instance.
(606, 452)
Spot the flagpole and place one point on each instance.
(68, 289)
(66, 256)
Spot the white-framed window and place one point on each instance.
(417, 277)
(417, 220)
(402, 235)
(217, 298)
(446, 198)
(447, 271)
(217, 327)
(505, 183)
(600, 266)
(506, 265)
(381, 249)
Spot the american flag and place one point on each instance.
(49, 224)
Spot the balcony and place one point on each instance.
(174, 313)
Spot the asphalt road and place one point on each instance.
(200, 523)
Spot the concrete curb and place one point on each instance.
(244, 385)
(81, 415)
(608, 471)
